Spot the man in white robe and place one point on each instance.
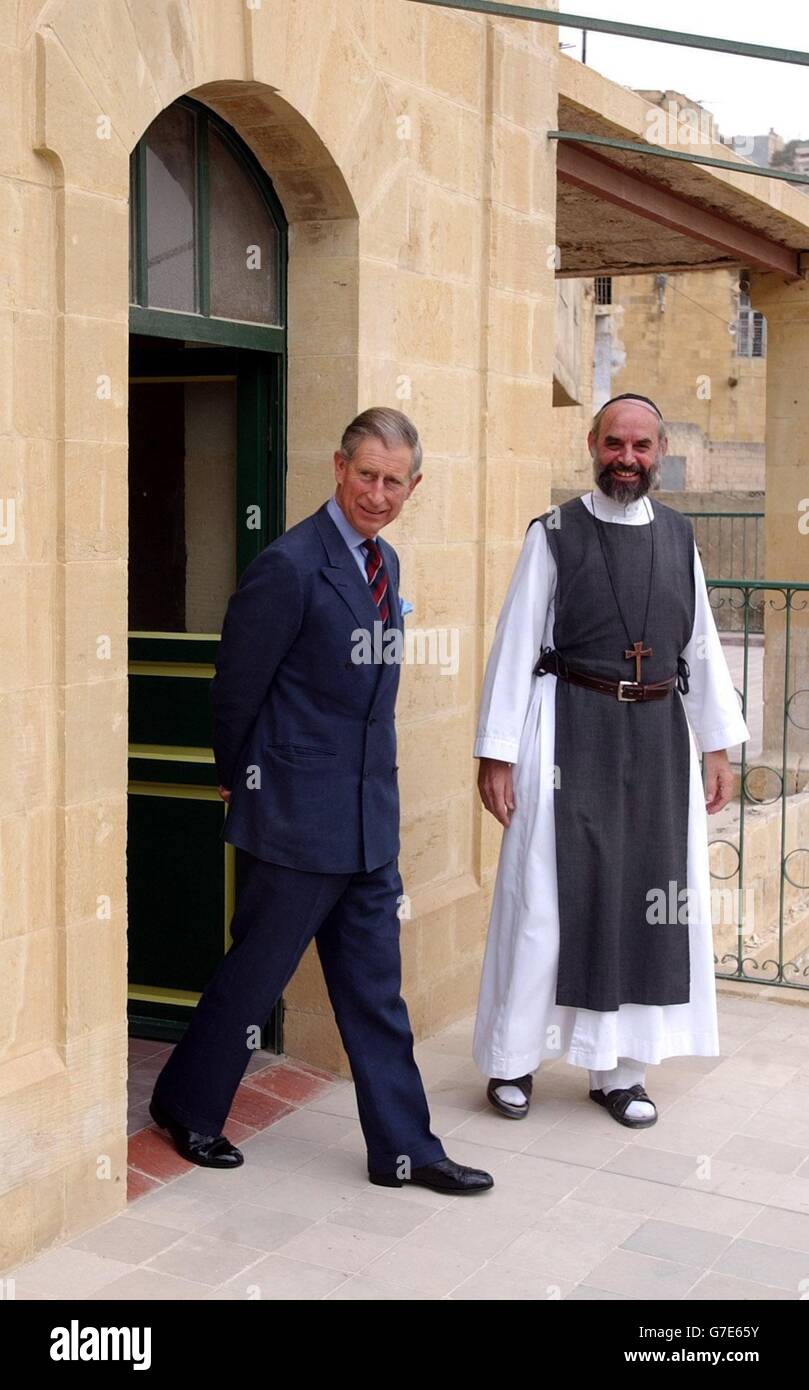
(518, 1023)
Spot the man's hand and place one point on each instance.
(496, 789)
(224, 793)
(719, 781)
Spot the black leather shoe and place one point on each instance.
(443, 1176)
(208, 1150)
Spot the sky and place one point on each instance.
(746, 95)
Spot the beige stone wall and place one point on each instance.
(786, 521)
(676, 340)
(406, 146)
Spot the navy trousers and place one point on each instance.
(354, 920)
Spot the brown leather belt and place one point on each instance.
(551, 661)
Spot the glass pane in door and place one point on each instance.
(170, 221)
(182, 501)
(244, 242)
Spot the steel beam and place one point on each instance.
(635, 194)
(628, 31)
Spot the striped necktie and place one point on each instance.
(377, 579)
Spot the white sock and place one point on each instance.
(627, 1073)
(511, 1094)
(637, 1109)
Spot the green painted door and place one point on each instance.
(207, 279)
(205, 497)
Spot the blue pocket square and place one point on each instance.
(405, 606)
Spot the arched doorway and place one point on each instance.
(208, 260)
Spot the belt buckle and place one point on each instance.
(629, 698)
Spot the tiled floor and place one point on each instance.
(710, 1203)
(272, 1087)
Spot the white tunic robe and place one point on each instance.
(518, 1022)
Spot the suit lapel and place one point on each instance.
(344, 575)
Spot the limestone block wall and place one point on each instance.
(677, 337)
(731, 464)
(714, 465)
(786, 528)
(407, 147)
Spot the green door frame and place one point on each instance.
(256, 355)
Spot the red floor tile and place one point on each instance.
(146, 1047)
(236, 1131)
(332, 1076)
(289, 1084)
(138, 1118)
(253, 1107)
(153, 1153)
(146, 1066)
(137, 1184)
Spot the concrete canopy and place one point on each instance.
(624, 213)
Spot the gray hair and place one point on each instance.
(391, 426)
(597, 418)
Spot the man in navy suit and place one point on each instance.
(305, 749)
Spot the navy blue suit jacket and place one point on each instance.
(304, 737)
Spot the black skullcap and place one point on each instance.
(632, 396)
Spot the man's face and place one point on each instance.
(373, 486)
(626, 456)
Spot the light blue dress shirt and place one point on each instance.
(355, 543)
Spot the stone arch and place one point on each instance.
(323, 271)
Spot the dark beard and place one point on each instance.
(621, 491)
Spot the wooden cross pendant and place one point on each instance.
(639, 652)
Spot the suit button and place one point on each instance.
(372, 719)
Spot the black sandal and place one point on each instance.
(523, 1083)
(618, 1102)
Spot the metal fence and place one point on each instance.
(731, 546)
(760, 866)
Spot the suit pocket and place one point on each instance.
(300, 750)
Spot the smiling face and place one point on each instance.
(373, 486)
(627, 452)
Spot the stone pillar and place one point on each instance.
(785, 306)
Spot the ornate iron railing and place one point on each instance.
(763, 862)
(731, 545)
